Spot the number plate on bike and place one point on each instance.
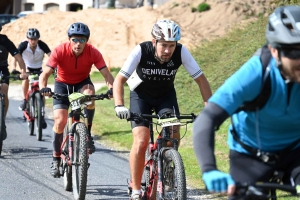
(169, 122)
(76, 100)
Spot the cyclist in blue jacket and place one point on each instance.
(264, 140)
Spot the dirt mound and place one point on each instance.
(116, 32)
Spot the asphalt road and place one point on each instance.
(25, 165)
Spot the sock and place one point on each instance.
(58, 138)
(136, 192)
(90, 115)
(89, 128)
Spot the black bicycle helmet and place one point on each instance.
(79, 28)
(283, 28)
(33, 33)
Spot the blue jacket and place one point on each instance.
(277, 124)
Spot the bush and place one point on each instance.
(193, 9)
(203, 7)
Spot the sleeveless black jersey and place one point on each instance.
(6, 46)
(158, 79)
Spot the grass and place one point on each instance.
(218, 59)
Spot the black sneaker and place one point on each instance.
(44, 123)
(55, 168)
(91, 145)
(23, 105)
(4, 133)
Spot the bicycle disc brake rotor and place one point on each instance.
(169, 180)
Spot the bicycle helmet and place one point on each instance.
(166, 30)
(33, 33)
(79, 28)
(283, 28)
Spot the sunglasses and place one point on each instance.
(81, 40)
(291, 53)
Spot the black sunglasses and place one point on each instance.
(291, 53)
(81, 40)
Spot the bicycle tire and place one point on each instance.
(174, 176)
(80, 167)
(1, 121)
(31, 115)
(38, 115)
(67, 169)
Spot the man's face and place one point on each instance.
(78, 43)
(164, 50)
(290, 59)
(33, 42)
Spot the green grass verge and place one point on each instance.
(218, 59)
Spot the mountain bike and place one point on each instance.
(75, 153)
(255, 190)
(164, 174)
(2, 106)
(34, 111)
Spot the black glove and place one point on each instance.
(110, 92)
(15, 72)
(45, 90)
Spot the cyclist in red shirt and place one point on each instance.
(73, 61)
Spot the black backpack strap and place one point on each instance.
(262, 98)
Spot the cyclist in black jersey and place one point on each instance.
(7, 46)
(150, 71)
(32, 50)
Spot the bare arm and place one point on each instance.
(119, 89)
(109, 79)
(204, 88)
(43, 80)
(21, 63)
(14, 64)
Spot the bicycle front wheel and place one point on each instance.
(80, 163)
(1, 122)
(38, 115)
(174, 180)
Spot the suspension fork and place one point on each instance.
(159, 168)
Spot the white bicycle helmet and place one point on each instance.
(166, 30)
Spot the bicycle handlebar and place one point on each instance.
(137, 116)
(90, 97)
(252, 188)
(15, 77)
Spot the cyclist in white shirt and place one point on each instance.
(32, 50)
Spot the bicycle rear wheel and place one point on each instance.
(1, 121)
(31, 109)
(67, 169)
(38, 115)
(80, 166)
(174, 180)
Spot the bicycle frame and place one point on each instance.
(157, 147)
(34, 87)
(77, 153)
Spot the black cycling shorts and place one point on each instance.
(143, 104)
(63, 88)
(33, 69)
(247, 168)
(5, 72)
